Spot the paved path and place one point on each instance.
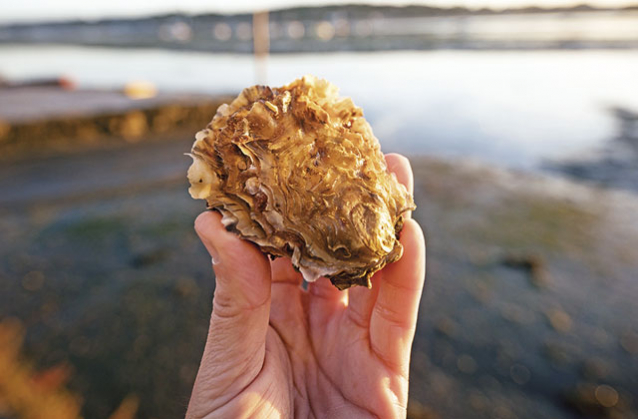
(25, 104)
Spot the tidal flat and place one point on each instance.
(528, 309)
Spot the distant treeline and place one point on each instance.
(353, 11)
(326, 28)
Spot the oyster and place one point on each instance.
(297, 171)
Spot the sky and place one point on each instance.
(42, 10)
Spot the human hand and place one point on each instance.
(276, 350)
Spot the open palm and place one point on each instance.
(276, 350)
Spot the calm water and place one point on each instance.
(538, 27)
(511, 108)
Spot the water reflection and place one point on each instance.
(512, 108)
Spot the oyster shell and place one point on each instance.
(297, 171)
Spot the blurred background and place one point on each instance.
(521, 122)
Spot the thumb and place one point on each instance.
(242, 272)
(241, 307)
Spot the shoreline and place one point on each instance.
(68, 121)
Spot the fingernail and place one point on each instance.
(215, 259)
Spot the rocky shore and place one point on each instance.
(528, 311)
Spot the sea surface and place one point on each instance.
(516, 109)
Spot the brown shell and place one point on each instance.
(297, 171)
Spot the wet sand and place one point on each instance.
(528, 311)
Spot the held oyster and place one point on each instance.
(297, 171)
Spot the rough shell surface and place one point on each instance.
(297, 171)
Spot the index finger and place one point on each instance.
(400, 166)
(395, 312)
